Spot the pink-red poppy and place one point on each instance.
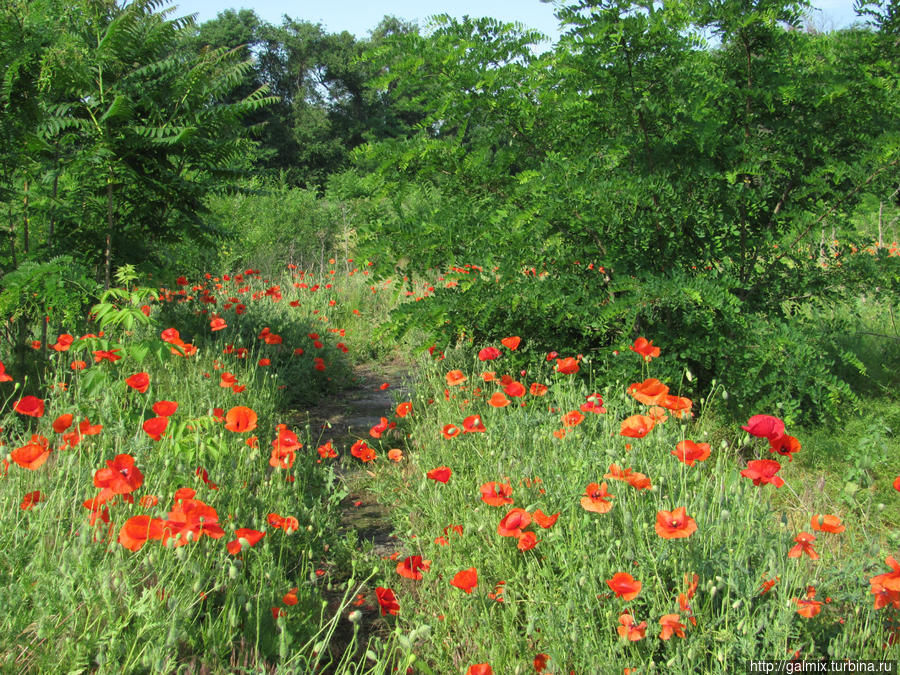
(240, 419)
(499, 400)
(645, 348)
(762, 471)
(489, 354)
(473, 424)
(395, 454)
(32, 498)
(63, 422)
(649, 392)
(636, 426)
(808, 607)
(404, 409)
(827, 523)
(512, 523)
(785, 445)
(537, 389)
(387, 601)
(120, 476)
(110, 355)
(137, 530)
(511, 343)
(804, 544)
(671, 625)
(32, 455)
(441, 474)
(4, 376)
(597, 498)
(455, 378)
(362, 451)
(624, 586)
(629, 630)
(688, 451)
(409, 567)
(764, 426)
(594, 404)
(480, 669)
(543, 520)
(165, 408)
(514, 389)
(31, 406)
(527, 541)
(155, 427)
(496, 494)
(465, 580)
(140, 382)
(217, 323)
(450, 430)
(675, 524)
(245, 537)
(567, 366)
(572, 418)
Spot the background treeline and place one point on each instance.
(699, 171)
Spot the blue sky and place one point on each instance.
(361, 16)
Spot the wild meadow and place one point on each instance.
(448, 350)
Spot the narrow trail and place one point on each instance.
(347, 417)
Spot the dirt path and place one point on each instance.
(346, 418)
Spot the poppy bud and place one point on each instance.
(355, 616)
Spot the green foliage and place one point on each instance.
(58, 289)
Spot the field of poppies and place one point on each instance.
(166, 507)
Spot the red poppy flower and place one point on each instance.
(155, 426)
(884, 596)
(572, 418)
(404, 409)
(327, 450)
(106, 355)
(567, 366)
(512, 523)
(441, 474)
(498, 400)
(675, 524)
(629, 630)
(63, 343)
(362, 451)
(395, 454)
(32, 455)
(543, 520)
(217, 323)
(480, 669)
(63, 422)
(649, 392)
(514, 389)
(537, 389)
(689, 452)
(170, 335)
(290, 598)
(785, 445)
(594, 404)
(827, 523)
(240, 419)
(636, 426)
(377, 430)
(671, 625)
(31, 406)
(540, 662)
(455, 377)
(890, 580)
(896, 484)
(465, 580)
(644, 348)
(138, 530)
(678, 405)
(32, 498)
(762, 471)
(624, 586)
(251, 537)
(165, 408)
(411, 565)
(139, 382)
(450, 430)
(387, 601)
(227, 380)
(496, 494)
(527, 541)
(149, 501)
(78, 365)
(804, 545)
(189, 520)
(767, 585)
(511, 343)
(764, 426)
(119, 477)
(489, 354)
(596, 498)
(4, 377)
(808, 606)
(473, 424)
(319, 364)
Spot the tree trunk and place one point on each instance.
(25, 245)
